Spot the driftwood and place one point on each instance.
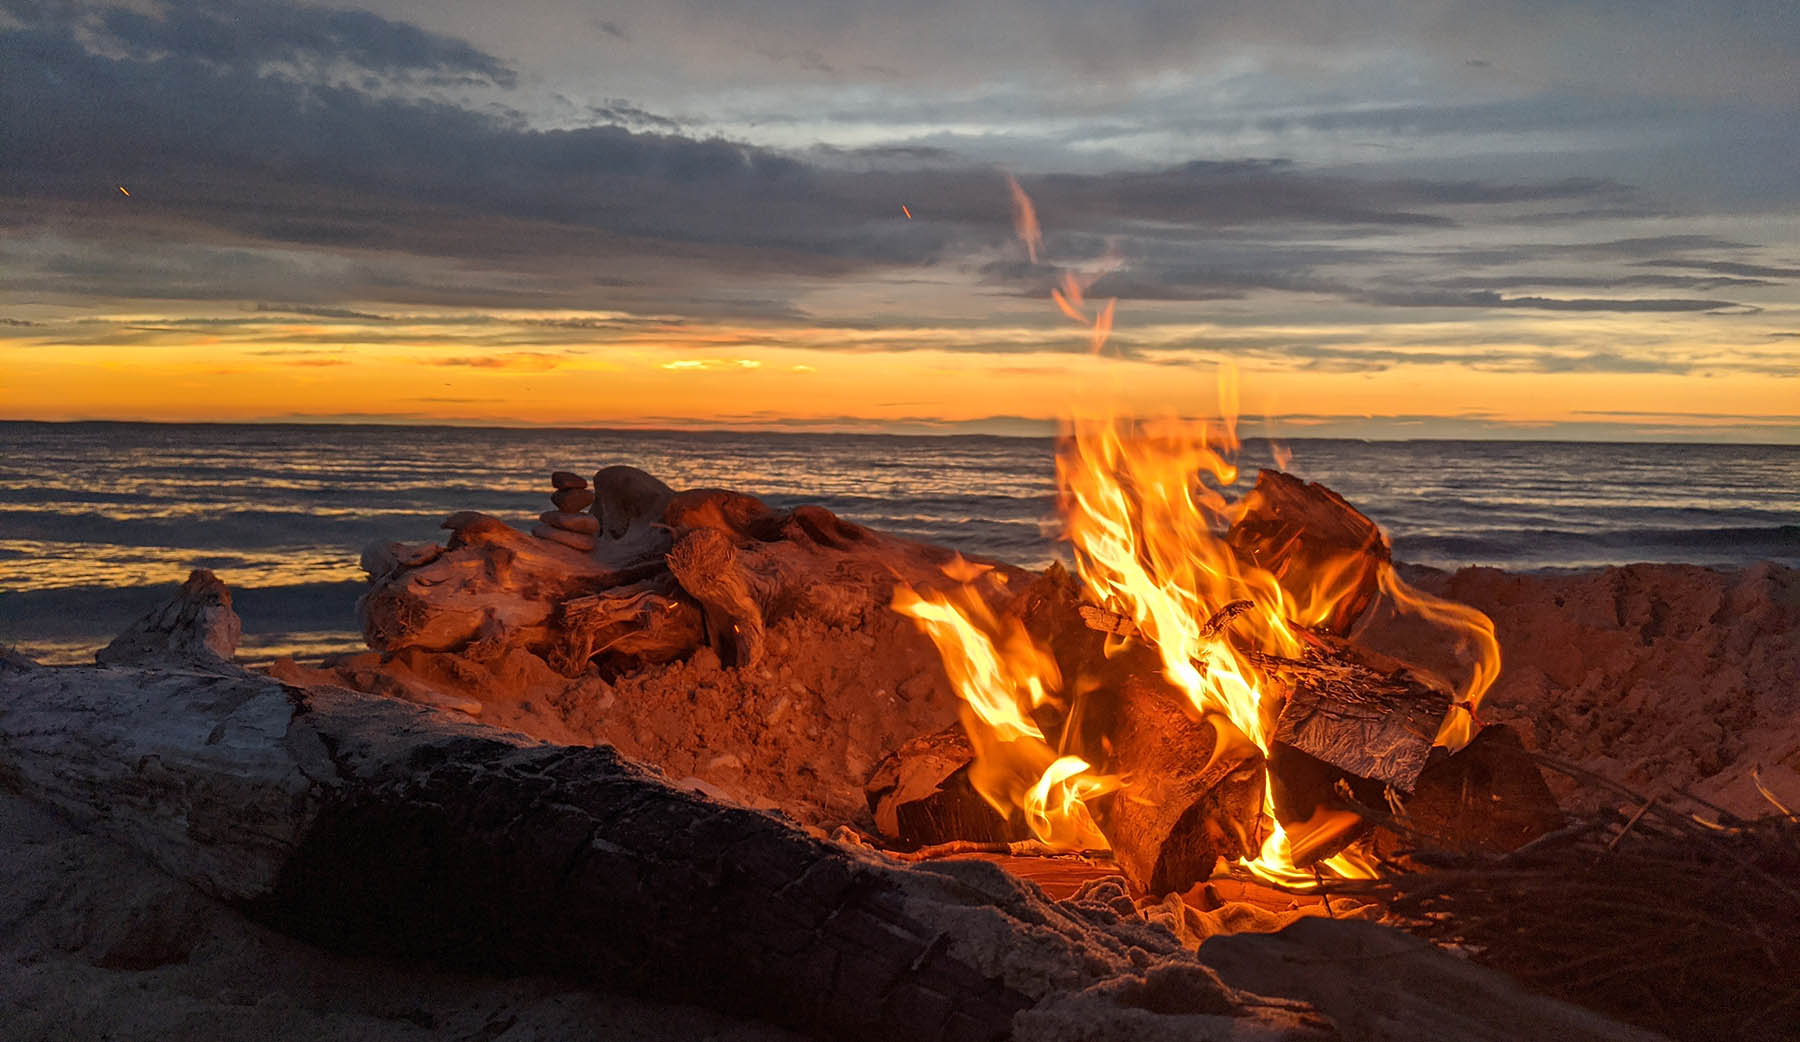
(196, 628)
(669, 573)
(490, 577)
(647, 622)
(371, 825)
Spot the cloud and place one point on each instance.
(229, 137)
(323, 312)
(1763, 271)
(522, 361)
(246, 33)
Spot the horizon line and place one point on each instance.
(1659, 436)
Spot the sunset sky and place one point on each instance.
(1467, 218)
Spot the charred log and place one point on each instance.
(1489, 797)
(921, 795)
(1320, 806)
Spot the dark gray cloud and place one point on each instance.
(1763, 271)
(248, 33)
(319, 312)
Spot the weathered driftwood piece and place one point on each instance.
(371, 825)
(489, 575)
(1381, 986)
(724, 567)
(920, 795)
(1375, 723)
(705, 562)
(1302, 533)
(196, 627)
(1489, 797)
(1193, 793)
(645, 622)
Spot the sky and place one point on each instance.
(1417, 218)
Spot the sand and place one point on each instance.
(1661, 677)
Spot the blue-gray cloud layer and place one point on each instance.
(325, 156)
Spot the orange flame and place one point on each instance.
(1004, 677)
(1025, 220)
(1144, 505)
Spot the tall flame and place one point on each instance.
(1144, 504)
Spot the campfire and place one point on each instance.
(1217, 712)
(1190, 696)
(590, 730)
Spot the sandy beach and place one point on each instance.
(1659, 677)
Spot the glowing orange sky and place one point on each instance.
(835, 378)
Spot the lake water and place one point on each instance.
(98, 521)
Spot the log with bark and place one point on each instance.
(921, 795)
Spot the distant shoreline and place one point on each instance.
(733, 430)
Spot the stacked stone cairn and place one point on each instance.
(568, 523)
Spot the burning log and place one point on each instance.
(1375, 723)
(1312, 540)
(920, 795)
(1195, 792)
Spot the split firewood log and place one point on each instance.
(1355, 710)
(1312, 540)
(1193, 790)
(921, 795)
(1194, 785)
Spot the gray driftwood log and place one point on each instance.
(372, 825)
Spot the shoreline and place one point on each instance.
(38, 624)
(1660, 676)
